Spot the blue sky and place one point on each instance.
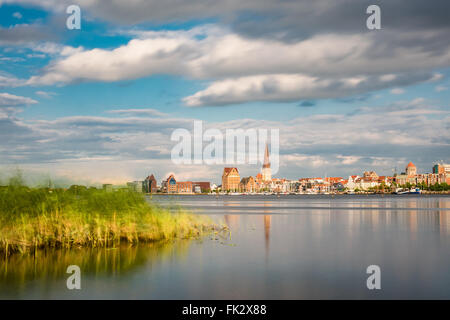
(345, 99)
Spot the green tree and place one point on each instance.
(17, 179)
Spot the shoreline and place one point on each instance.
(298, 194)
(33, 219)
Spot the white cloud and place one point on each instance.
(440, 88)
(436, 77)
(147, 112)
(289, 87)
(388, 77)
(7, 80)
(397, 91)
(347, 160)
(45, 94)
(10, 100)
(36, 55)
(302, 160)
(56, 49)
(327, 65)
(224, 54)
(17, 15)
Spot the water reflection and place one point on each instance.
(267, 220)
(280, 248)
(49, 266)
(444, 222)
(232, 221)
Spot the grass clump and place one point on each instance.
(36, 218)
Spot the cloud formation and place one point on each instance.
(244, 69)
(255, 50)
(287, 87)
(20, 34)
(266, 17)
(372, 138)
(10, 100)
(144, 112)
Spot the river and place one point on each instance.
(286, 247)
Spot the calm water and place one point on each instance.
(288, 247)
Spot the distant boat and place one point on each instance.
(406, 191)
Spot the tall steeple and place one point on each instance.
(266, 171)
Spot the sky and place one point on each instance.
(99, 104)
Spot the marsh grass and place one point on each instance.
(36, 218)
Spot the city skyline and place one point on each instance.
(250, 171)
(262, 182)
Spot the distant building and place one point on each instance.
(441, 169)
(230, 179)
(260, 186)
(107, 187)
(385, 180)
(338, 186)
(247, 184)
(411, 170)
(409, 176)
(136, 186)
(201, 187)
(352, 182)
(439, 175)
(370, 174)
(333, 180)
(150, 184)
(184, 186)
(282, 185)
(169, 185)
(401, 179)
(266, 171)
(366, 183)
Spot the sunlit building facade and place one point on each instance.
(230, 179)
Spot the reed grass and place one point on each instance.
(36, 218)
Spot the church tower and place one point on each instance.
(266, 172)
(411, 169)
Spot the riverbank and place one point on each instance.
(425, 192)
(32, 219)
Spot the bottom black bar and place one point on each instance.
(222, 309)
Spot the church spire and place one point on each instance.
(266, 157)
(266, 172)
